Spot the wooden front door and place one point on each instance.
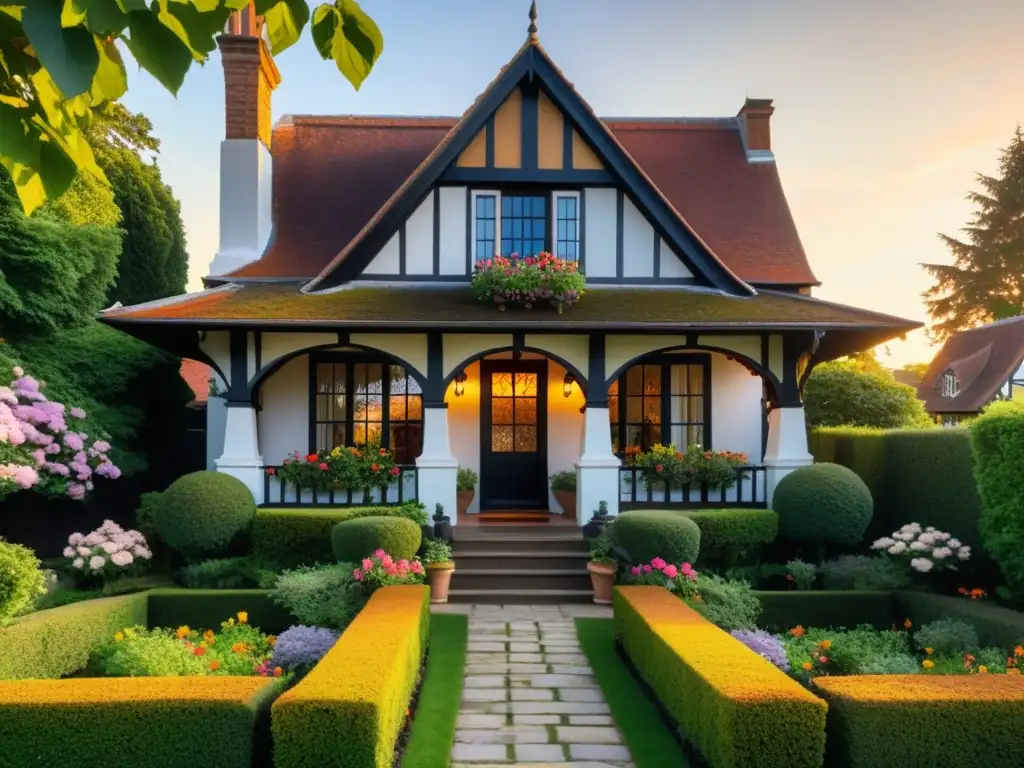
(513, 435)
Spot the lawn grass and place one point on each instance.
(433, 726)
(649, 739)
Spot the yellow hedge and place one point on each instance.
(131, 722)
(348, 712)
(735, 707)
(955, 720)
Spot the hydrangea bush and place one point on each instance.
(926, 549)
(506, 280)
(298, 649)
(43, 445)
(107, 553)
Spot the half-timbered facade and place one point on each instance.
(338, 310)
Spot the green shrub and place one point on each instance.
(58, 641)
(948, 637)
(861, 572)
(201, 513)
(997, 439)
(894, 664)
(323, 596)
(646, 535)
(354, 540)
(146, 514)
(21, 580)
(209, 607)
(803, 574)
(845, 392)
(294, 537)
(465, 479)
(823, 504)
(228, 573)
(147, 653)
(994, 625)
(727, 604)
(728, 536)
(850, 649)
(781, 611)
(132, 722)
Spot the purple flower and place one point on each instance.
(78, 413)
(101, 446)
(73, 441)
(53, 448)
(302, 647)
(76, 491)
(764, 644)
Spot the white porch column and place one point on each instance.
(597, 470)
(436, 466)
(241, 457)
(787, 446)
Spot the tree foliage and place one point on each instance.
(985, 282)
(849, 393)
(61, 65)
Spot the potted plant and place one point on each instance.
(602, 567)
(440, 567)
(465, 490)
(513, 280)
(563, 486)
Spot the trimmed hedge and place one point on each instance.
(730, 535)
(201, 513)
(56, 642)
(878, 721)
(207, 608)
(995, 626)
(353, 540)
(735, 707)
(781, 611)
(293, 537)
(823, 504)
(646, 534)
(132, 722)
(348, 712)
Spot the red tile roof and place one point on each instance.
(197, 376)
(333, 174)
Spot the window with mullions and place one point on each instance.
(567, 226)
(486, 221)
(350, 408)
(655, 403)
(523, 224)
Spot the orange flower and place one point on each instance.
(983, 669)
(239, 648)
(962, 590)
(798, 631)
(271, 640)
(808, 666)
(928, 651)
(183, 632)
(1019, 650)
(278, 671)
(907, 623)
(214, 665)
(825, 645)
(928, 664)
(243, 617)
(209, 637)
(199, 650)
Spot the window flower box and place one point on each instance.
(717, 470)
(514, 280)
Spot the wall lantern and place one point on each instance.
(460, 384)
(567, 384)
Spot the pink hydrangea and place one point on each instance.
(78, 413)
(671, 571)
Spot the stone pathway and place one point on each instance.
(529, 696)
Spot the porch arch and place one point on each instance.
(581, 380)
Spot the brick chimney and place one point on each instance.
(755, 118)
(250, 77)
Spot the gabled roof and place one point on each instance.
(983, 360)
(332, 175)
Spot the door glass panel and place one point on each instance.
(514, 412)
(526, 439)
(526, 384)
(501, 410)
(501, 385)
(501, 439)
(526, 410)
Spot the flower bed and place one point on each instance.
(347, 469)
(663, 465)
(504, 281)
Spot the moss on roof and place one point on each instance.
(416, 307)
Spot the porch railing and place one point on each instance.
(749, 491)
(277, 493)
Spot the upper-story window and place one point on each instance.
(950, 384)
(525, 224)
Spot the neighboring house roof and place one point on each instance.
(336, 179)
(983, 359)
(197, 376)
(904, 376)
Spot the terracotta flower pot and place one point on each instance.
(603, 578)
(439, 576)
(567, 501)
(462, 501)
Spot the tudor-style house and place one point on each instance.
(338, 310)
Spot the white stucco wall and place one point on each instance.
(216, 420)
(284, 419)
(600, 227)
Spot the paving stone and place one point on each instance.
(522, 626)
(521, 668)
(484, 694)
(588, 734)
(590, 720)
(558, 708)
(529, 658)
(524, 647)
(506, 734)
(484, 681)
(476, 720)
(488, 647)
(489, 668)
(540, 719)
(564, 658)
(480, 753)
(564, 681)
(540, 752)
(598, 752)
(580, 694)
(532, 694)
(563, 669)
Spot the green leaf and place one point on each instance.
(326, 21)
(69, 54)
(197, 29)
(104, 17)
(284, 20)
(56, 169)
(18, 140)
(132, 5)
(111, 81)
(72, 14)
(359, 45)
(158, 50)
(27, 182)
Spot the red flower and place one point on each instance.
(659, 468)
(312, 458)
(789, 577)
(383, 451)
(271, 471)
(199, 650)
(323, 466)
(394, 470)
(374, 467)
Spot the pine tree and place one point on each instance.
(986, 280)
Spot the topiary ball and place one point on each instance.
(646, 535)
(200, 513)
(823, 504)
(21, 580)
(353, 540)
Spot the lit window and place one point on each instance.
(950, 384)
(659, 403)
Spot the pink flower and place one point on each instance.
(417, 567)
(658, 564)
(692, 575)
(367, 564)
(646, 569)
(686, 568)
(18, 371)
(391, 570)
(357, 575)
(102, 446)
(76, 491)
(73, 441)
(387, 561)
(636, 570)
(403, 567)
(25, 477)
(78, 413)
(671, 571)
(380, 553)
(323, 466)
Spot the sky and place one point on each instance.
(885, 111)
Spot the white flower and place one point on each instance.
(121, 558)
(922, 564)
(110, 547)
(84, 551)
(94, 539)
(78, 562)
(919, 546)
(905, 536)
(898, 548)
(141, 551)
(97, 562)
(913, 527)
(940, 536)
(69, 552)
(941, 553)
(883, 543)
(954, 544)
(930, 528)
(964, 553)
(75, 539)
(926, 538)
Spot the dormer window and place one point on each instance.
(950, 384)
(525, 224)
(524, 220)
